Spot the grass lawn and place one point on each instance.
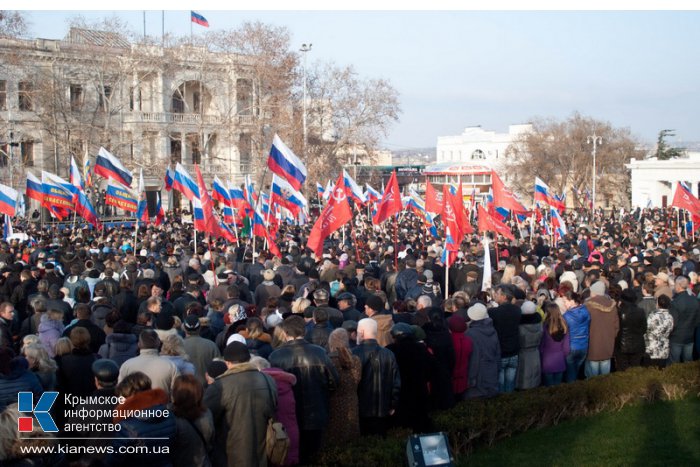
(663, 433)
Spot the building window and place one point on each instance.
(4, 155)
(3, 95)
(245, 153)
(193, 140)
(244, 97)
(24, 100)
(76, 97)
(178, 103)
(104, 97)
(196, 102)
(27, 152)
(135, 102)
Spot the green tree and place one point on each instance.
(663, 151)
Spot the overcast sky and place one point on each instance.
(455, 69)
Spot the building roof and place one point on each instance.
(98, 38)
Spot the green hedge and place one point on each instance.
(483, 422)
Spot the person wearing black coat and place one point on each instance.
(83, 315)
(316, 378)
(74, 375)
(630, 346)
(415, 367)
(126, 301)
(439, 341)
(380, 383)
(506, 321)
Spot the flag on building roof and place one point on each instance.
(119, 196)
(198, 19)
(8, 200)
(283, 162)
(108, 166)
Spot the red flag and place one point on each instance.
(486, 223)
(336, 213)
(503, 197)
(457, 205)
(433, 200)
(210, 223)
(450, 220)
(684, 199)
(390, 203)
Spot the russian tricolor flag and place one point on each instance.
(8, 200)
(558, 223)
(83, 206)
(222, 195)
(238, 199)
(34, 190)
(286, 164)
(75, 179)
(160, 213)
(108, 166)
(169, 175)
(199, 19)
(286, 196)
(184, 183)
(371, 194)
(352, 189)
(57, 194)
(142, 209)
(319, 189)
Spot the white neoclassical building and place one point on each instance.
(654, 181)
(478, 146)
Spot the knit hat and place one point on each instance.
(569, 276)
(477, 312)
(216, 368)
(530, 270)
(528, 308)
(235, 352)
(457, 324)
(375, 302)
(269, 274)
(598, 288)
(235, 337)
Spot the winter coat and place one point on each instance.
(201, 352)
(485, 359)
(74, 373)
(260, 346)
(604, 327)
(127, 304)
(286, 410)
(140, 431)
(415, 367)
(460, 373)
(74, 283)
(119, 347)
(318, 334)
(264, 291)
(529, 374)
(506, 321)
(97, 335)
(188, 446)
(439, 341)
(316, 378)
(405, 281)
(578, 321)
(161, 370)
(633, 326)
(50, 331)
(378, 391)
(184, 366)
(20, 379)
(656, 339)
(100, 309)
(242, 400)
(686, 316)
(553, 351)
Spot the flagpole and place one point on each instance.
(447, 268)
(396, 243)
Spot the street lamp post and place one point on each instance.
(595, 140)
(304, 49)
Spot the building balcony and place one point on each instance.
(171, 117)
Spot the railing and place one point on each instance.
(170, 117)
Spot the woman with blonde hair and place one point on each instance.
(63, 347)
(173, 349)
(43, 366)
(344, 421)
(508, 274)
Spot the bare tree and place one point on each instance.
(558, 153)
(346, 114)
(13, 24)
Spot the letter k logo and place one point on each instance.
(25, 402)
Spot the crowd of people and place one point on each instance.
(355, 342)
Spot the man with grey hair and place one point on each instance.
(686, 316)
(380, 383)
(161, 370)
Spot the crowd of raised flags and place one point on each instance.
(286, 203)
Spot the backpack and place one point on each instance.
(276, 439)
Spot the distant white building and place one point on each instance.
(478, 146)
(654, 181)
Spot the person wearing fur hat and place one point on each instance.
(240, 393)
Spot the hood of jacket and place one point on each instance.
(123, 339)
(46, 324)
(601, 304)
(483, 326)
(281, 375)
